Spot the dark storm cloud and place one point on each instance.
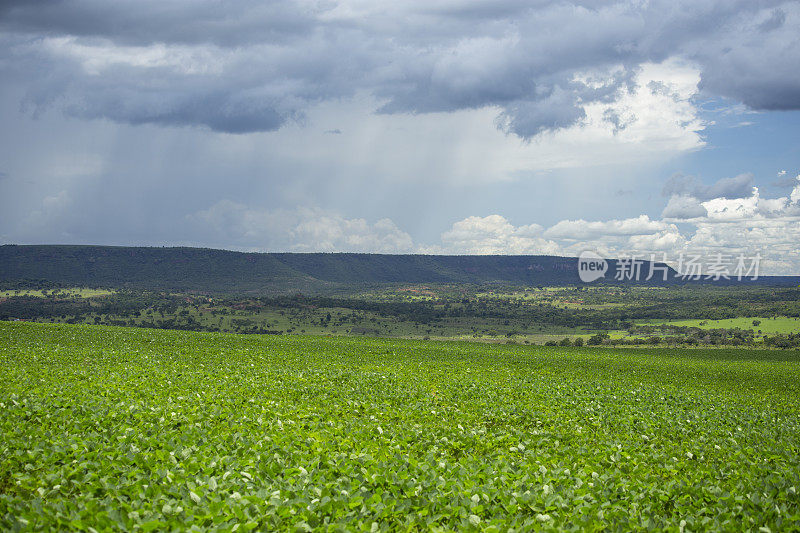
(775, 21)
(684, 208)
(528, 119)
(786, 182)
(146, 21)
(740, 186)
(251, 66)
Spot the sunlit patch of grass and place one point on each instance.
(767, 325)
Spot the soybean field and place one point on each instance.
(135, 429)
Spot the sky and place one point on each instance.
(667, 127)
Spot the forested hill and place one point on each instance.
(221, 271)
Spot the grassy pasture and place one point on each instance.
(152, 430)
(74, 292)
(769, 325)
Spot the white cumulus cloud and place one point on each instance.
(298, 230)
(494, 234)
(753, 225)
